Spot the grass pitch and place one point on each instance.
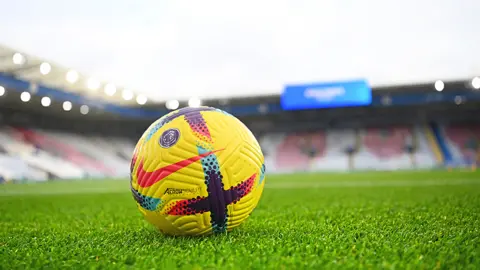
(421, 220)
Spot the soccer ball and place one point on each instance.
(197, 171)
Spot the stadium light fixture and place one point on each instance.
(46, 101)
(18, 59)
(67, 106)
(93, 84)
(127, 94)
(476, 83)
(84, 109)
(194, 102)
(45, 68)
(25, 96)
(72, 76)
(2, 90)
(141, 99)
(172, 104)
(439, 86)
(110, 89)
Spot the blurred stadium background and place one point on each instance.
(52, 130)
(69, 122)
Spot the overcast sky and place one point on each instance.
(212, 48)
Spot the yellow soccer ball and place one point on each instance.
(197, 171)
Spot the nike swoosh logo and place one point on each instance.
(150, 178)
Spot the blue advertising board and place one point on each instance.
(326, 95)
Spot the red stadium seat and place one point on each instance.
(290, 154)
(386, 142)
(464, 139)
(65, 151)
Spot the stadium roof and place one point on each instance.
(43, 72)
(210, 49)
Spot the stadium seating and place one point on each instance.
(385, 142)
(68, 151)
(103, 154)
(322, 150)
(14, 167)
(387, 149)
(37, 159)
(463, 142)
(293, 152)
(382, 148)
(121, 146)
(269, 144)
(336, 158)
(40, 155)
(372, 148)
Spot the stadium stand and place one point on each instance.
(402, 128)
(65, 151)
(336, 157)
(463, 142)
(45, 154)
(345, 149)
(104, 157)
(12, 167)
(295, 152)
(34, 157)
(41, 155)
(393, 148)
